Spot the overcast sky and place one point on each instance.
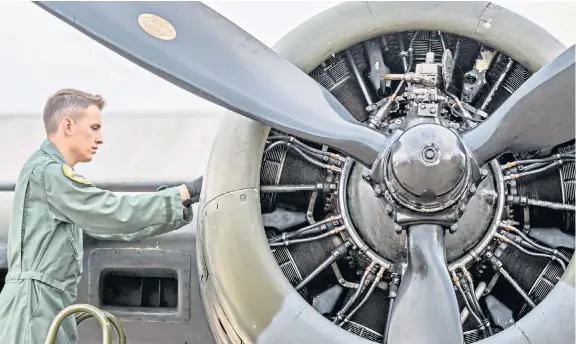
(41, 54)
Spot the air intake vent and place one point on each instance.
(147, 288)
(141, 284)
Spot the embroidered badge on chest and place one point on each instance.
(70, 173)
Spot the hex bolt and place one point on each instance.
(397, 228)
(366, 174)
(423, 106)
(462, 208)
(389, 208)
(378, 190)
(484, 172)
(473, 189)
(453, 228)
(432, 110)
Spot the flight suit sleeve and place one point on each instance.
(105, 215)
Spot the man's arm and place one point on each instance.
(189, 194)
(73, 199)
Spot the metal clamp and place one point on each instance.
(86, 311)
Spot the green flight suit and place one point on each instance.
(52, 208)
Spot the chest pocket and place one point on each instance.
(76, 239)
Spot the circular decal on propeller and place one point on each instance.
(156, 26)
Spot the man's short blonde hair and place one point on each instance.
(68, 102)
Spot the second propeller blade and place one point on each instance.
(540, 114)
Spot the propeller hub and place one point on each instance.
(426, 164)
(373, 220)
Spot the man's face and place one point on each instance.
(85, 136)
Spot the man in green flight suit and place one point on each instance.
(54, 205)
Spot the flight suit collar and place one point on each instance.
(51, 150)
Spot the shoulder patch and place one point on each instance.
(70, 173)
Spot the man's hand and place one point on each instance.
(190, 192)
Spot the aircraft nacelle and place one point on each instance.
(297, 240)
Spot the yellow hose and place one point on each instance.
(115, 322)
(87, 311)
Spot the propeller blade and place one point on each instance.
(540, 114)
(204, 53)
(425, 310)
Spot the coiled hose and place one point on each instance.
(86, 311)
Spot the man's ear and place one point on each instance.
(67, 125)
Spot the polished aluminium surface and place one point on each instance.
(428, 161)
(428, 168)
